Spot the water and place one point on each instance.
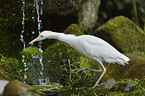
(34, 67)
(22, 37)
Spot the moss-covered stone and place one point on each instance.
(135, 68)
(123, 34)
(58, 60)
(73, 29)
(33, 66)
(29, 52)
(17, 88)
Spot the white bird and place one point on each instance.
(90, 46)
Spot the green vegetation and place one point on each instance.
(29, 52)
(9, 68)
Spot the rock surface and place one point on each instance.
(3, 83)
(126, 86)
(108, 84)
(135, 68)
(17, 88)
(123, 34)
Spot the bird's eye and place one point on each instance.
(41, 36)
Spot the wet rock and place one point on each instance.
(17, 88)
(123, 34)
(3, 83)
(108, 84)
(126, 86)
(32, 59)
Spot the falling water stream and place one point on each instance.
(33, 68)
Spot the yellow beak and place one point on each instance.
(36, 39)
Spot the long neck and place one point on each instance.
(66, 38)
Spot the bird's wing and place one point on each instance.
(97, 47)
(95, 41)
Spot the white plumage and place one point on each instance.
(90, 46)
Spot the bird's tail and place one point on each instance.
(123, 59)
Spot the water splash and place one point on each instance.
(34, 67)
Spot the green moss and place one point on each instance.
(142, 81)
(29, 52)
(123, 34)
(58, 60)
(73, 29)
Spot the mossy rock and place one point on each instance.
(123, 34)
(17, 88)
(58, 60)
(73, 29)
(29, 52)
(32, 64)
(135, 68)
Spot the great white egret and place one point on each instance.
(90, 46)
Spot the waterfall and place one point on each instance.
(22, 37)
(34, 67)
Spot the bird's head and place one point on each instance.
(43, 35)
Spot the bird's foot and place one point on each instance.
(78, 70)
(81, 69)
(95, 86)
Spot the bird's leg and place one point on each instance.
(99, 67)
(101, 75)
(78, 70)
